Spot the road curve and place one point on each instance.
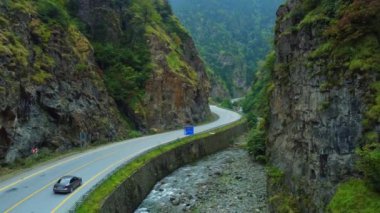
(31, 191)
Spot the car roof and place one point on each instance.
(67, 177)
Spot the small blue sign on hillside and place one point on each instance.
(189, 130)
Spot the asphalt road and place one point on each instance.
(31, 191)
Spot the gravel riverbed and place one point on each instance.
(224, 182)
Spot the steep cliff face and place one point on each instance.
(51, 91)
(218, 90)
(174, 88)
(178, 90)
(327, 63)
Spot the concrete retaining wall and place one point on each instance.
(128, 196)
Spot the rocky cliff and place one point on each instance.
(324, 91)
(176, 88)
(72, 72)
(51, 91)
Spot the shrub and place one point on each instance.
(257, 141)
(354, 196)
(284, 203)
(275, 175)
(369, 164)
(174, 61)
(256, 105)
(81, 67)
(52, 12)
(41, 77)
(226, 104)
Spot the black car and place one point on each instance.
(67, 184)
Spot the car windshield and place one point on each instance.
(64, 181)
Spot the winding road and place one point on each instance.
(31, 191)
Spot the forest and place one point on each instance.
(231, 36)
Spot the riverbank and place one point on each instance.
(227, 182)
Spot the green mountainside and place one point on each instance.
(76, 72)
(232, 36)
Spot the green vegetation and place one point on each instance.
(126, 59)
(3, 22)
(21, 6)
(53, 12)
(174, 62)
(284, 203)
(351, 49)
(124, 81)
(256, 105)
(369, 164)
(41, 31)
(257, 141)
(226, 104)
(93, 201)
(232, 36)
(11, 45)
(355, 196)
(281, 200)
(41, 77)
(275, 175)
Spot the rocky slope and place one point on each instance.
(176, 88)
(51, 90)
(56, 92)
(323, 99)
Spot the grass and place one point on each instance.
(94, 200)
(313, 17)
(41, 77)
(41, 30)
(275, 174)
(11, 45)
(354, 196)
(174, 62)
(284, 203)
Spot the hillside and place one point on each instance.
(78, 72)
(232, 36)
(165, 82)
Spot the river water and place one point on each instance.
(224, 182)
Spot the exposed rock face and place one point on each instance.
(176, 98)
(241, 74)
(177, 90)
(218, 88)
(313, 129)
(51, 91)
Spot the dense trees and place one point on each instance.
(231, 35)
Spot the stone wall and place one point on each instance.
(128, 196)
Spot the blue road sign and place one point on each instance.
(189, 130)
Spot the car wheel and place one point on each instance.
(71, 190)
